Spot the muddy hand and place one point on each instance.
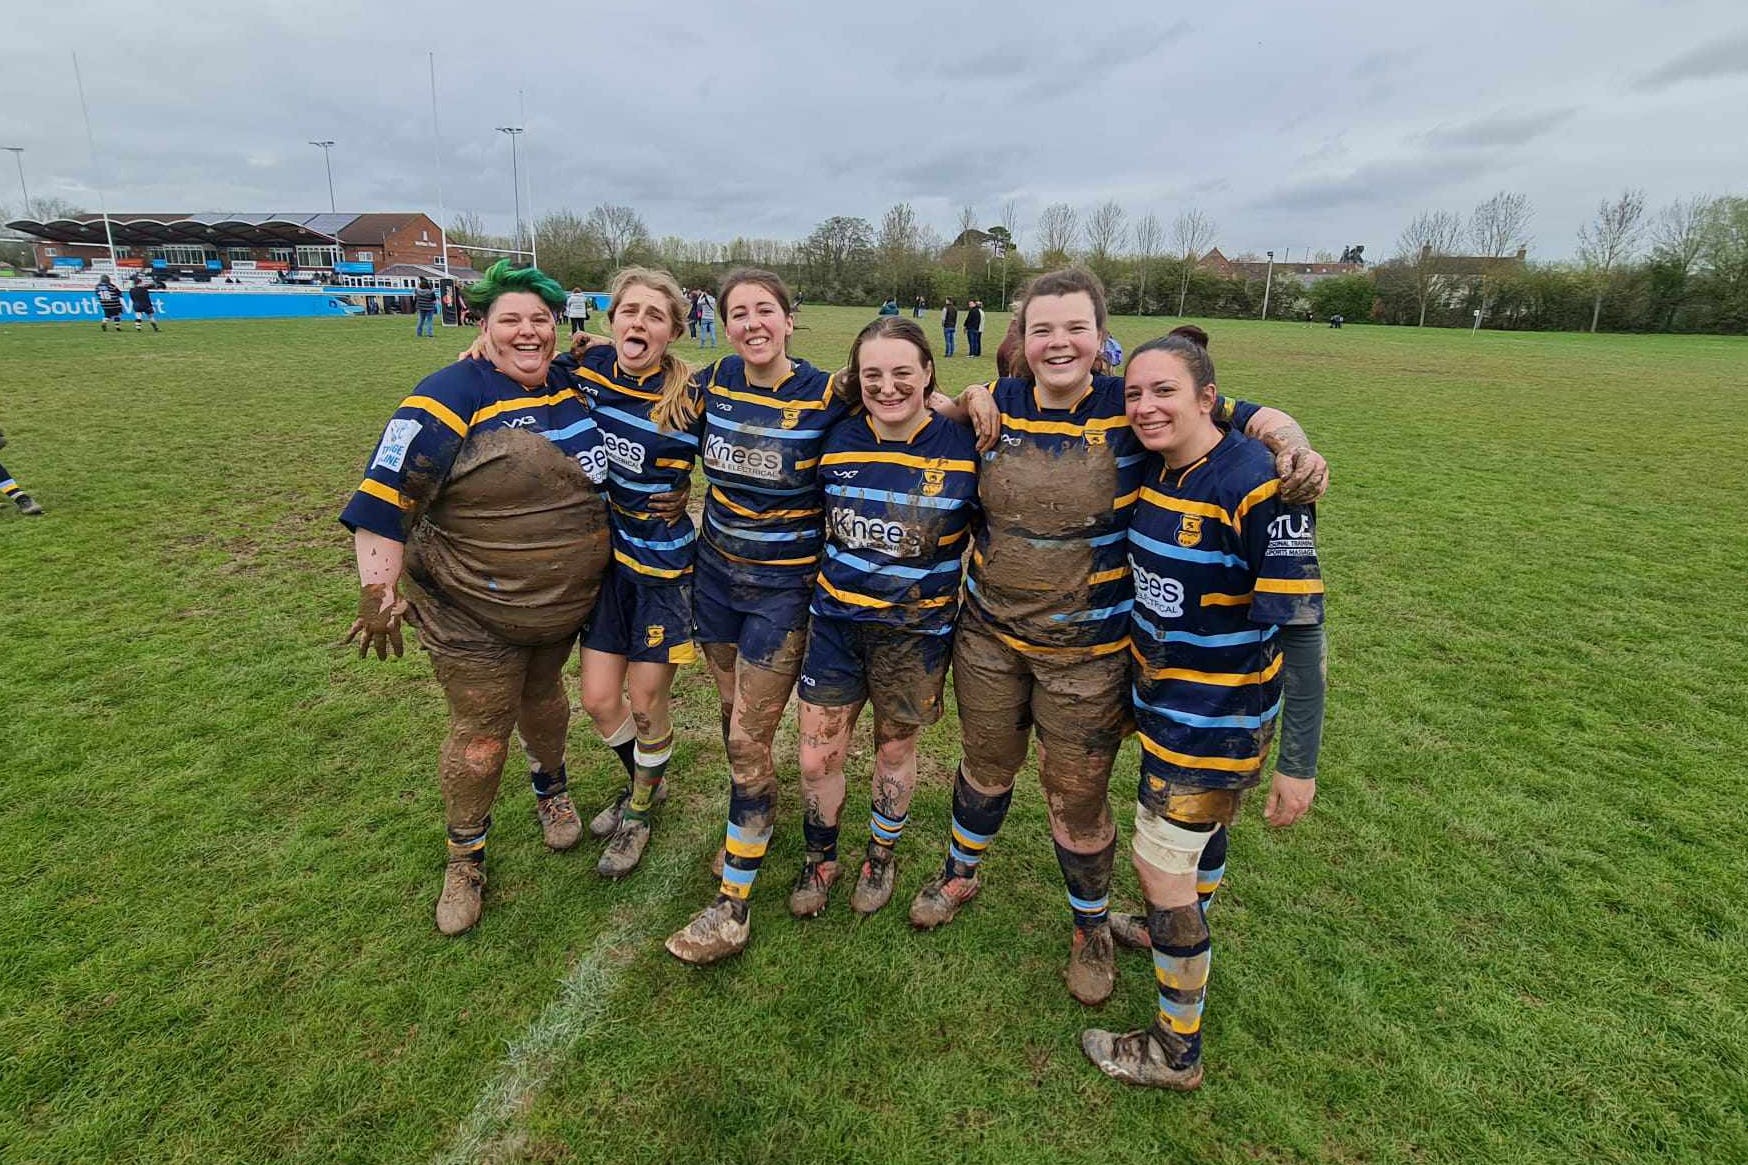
(379, 621)
(1304, 474)
(985, 417)
(1289, 799)
(480, 349)
(583, 341)
(671, 506)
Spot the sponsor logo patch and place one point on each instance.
(1162, 595)
(933, 480)
(396, 438)
(1189, 530)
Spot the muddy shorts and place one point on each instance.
(447, 631)
(766, 625)
(902, 673)
(1078, 701)
(1189, 804)
(643, 623)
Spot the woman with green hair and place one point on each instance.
(481, 520)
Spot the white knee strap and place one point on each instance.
(1168, 848)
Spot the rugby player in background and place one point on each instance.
(1043, 638)
(14, 492)
(1228, 611)
(484, 498)
(900, 489)
(642, 629)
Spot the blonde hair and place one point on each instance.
(678, 407)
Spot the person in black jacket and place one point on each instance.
(140, 296)
(425, 303)
(974, 328)
(949, 326)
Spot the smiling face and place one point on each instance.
(1062, 341)
(758, 327)
(1170, 413)
(643, 327)
(519, 327)
(895, 380)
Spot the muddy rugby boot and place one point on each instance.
(940, 899)
(458, 908)
(1138, 1058)
(714, 933)
(26, 504)
(1092, 967)
(559, 825)
(1130, 931)
(813, 889)
(606, 823)
(874, 885)
(624, 849)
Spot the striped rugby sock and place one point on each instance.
(1180, 969)
(548, 784)
(623, 742)
(1211, 869)
(977, 817)
(1088, 878)
(651, 760)
(8, 487)
(468, 846)
(748, 836)
(885, 831)
(822, 840)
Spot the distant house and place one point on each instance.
(1306, 273)
(1452, 278)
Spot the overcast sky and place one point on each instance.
(1294, 126)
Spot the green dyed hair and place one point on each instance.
(502, 277)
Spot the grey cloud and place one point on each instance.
(1502, 129)
(1377, 183)
(1718, 58)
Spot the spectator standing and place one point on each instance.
(425, 303)
(949, 326)
(141, 297)
(576, 308)
(974, 327)
(692, 316)
(706, 320)
(916, 309)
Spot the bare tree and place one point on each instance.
(897, 243)
(1149, 240)
(1679, 233)
(1105, 232)
(620, 230)
(1192, 232)
(1058, 230)
(967, 224)
(1609, 240)
(1010, 225)
(1430, 237)
(1500, 225)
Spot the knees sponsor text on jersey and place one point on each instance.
(861, 532)
(623, 452)
(1159, 594)
(727, 457)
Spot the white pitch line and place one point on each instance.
(580, 1009)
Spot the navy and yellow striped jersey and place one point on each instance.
(419, 445)
(1219, 565)
(761, 450)
(1049, 571)
(642, 459)
(897, 513)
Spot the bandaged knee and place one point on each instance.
(1167, 846)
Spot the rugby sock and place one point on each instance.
(822, 840)
(1180, 969)
(885, 831)
(651, 759)
(548, 784)
(468, 846)
(624, 742)
(9, 487)
(748, 836)
(1211, 868)
(976, 818)
(1088, 877)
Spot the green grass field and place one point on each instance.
(1511, 930)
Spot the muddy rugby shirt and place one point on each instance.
(1049, 566)
(496, 490)
(642, 459)
(897, 515)
(1219, 564)
(761, 450)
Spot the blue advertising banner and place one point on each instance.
(355, 268)
(29, 307)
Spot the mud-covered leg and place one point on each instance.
(483, 703)
(894, 783)
(649, 685)
(825, 741)
(1076, 781)
(543, 721)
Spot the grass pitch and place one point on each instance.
(1511, 929)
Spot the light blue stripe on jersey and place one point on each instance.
(758, 489)
(582, 426)
(644, 487)
(759, 535)
(886, 495)
(1131, 459)
(856, 562)
(1233, 639)
(648, 544)
(648, 426)
(1169, 550)
(760, 430)
(1195, 721)
(1121, 608)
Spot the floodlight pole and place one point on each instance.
(18, 156)
(329, 163)
(515, 181)
(1268, 285)
(96, 170)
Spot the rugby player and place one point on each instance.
(483, 498)
(14, 492)
(1228, 610)
(642, 629)
(900, 487)
(1042, 640)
